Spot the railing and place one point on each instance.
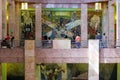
(49, 44)
(9, 44)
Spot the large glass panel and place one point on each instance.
(108, 72)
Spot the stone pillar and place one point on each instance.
(0, 70)
(4, 71)
(17, 24)
(105, 20)
(93, 55)
(62, 44)
(1, 19)
(84, 25)
(4, 18)
(11, 17)
(111, 38)
(29, 60)
(38, 25)
(118, 23)
(37, 72)
(118, 71)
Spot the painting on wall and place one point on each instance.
(64, 71)
(27, 24)
(76, 71)
(94, 24)
(67, 24)
(60, 24)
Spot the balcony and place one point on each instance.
(50, 55)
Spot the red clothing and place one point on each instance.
(77, 39)
(8, 38)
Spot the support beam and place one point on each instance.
(111, 38)
(4, 18)
(84, 25)
(11, 17)
(1, 19)
(118, 23)
(0, 72)
(105, 20)
(17, 24)
(118, 71)
(4, 71)
(63, 1)
(38, 25)
(37, 72)
(58, 44)
(29, 60)
(93, 56)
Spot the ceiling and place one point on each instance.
(62, 1)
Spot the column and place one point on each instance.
(37, 72)
(93, 57)
(84, 24)
(11, 17)
(118, 71)
(118, 23)
(111, 38)
(4, 71)
(0, 70)
(4, 18)
(29, 60)
(38, 25)
(118, 33)
(105, 20)
(1, 19)
(17, 24)
(62, 44)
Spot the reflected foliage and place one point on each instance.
(15, 71)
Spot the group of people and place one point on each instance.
(102, 40)
(8, 42)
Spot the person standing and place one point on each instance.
(12, 41)
(77, 40)
(99, 37)
(8, 40)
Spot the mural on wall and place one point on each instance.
(27, 24)
(57, 71)
(77, 71)
(67, 24)
(94, 24)
(64, 24)
(51, 71)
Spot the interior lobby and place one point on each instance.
(44, 46)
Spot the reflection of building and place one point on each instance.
(10, 21)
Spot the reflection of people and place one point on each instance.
(77, 39)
